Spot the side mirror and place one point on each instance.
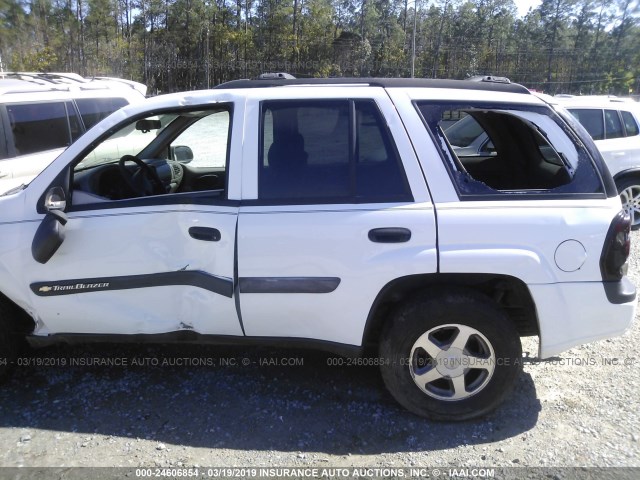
(182, 154)
(51, 232)
(55, 200)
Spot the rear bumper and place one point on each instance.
(571, 314)
(620, 292)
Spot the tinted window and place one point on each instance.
(613, 124)
(92, 110)
(630, 124)
(39, 126)
(591, 120)
(532, 150)
(379, 171)
(339, 151)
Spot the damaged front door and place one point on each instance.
(155, 256)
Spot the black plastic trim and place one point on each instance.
(288, 284)
(48, 238)
(268, 202)
(380, 82)
(196, 278)
(206, 234)
(623, 291)
(390, 235)
(627, 172)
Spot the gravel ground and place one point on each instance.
(580, 409)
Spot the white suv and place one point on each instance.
(42, 114)
(329, 213)
(614, 125)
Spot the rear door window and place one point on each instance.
(333, 151)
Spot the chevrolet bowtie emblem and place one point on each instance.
(45, 289)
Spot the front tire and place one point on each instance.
(452, 355)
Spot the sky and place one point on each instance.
(524, 5)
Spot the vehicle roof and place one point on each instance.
(596, 101)
(380, 82)
(27, 82)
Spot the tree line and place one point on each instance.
(568, 46)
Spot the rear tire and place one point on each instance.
(451, 355)
(629, 190)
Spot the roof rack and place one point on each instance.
(489, 78)
(275, 75)
(377, 82)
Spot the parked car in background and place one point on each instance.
(613, 123)
(42, 114)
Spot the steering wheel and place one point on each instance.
(143, 182)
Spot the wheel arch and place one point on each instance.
(628, 173)
(15, 318)
(510, 293)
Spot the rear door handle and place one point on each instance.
(205, 233)
(390, 235)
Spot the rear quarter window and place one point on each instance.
(517, 151)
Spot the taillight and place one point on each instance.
(616, 249)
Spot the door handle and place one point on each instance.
(390, 235)
(205, 233)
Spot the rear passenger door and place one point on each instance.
(334, 208)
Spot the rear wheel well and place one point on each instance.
(510, 294)
(624, 176)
